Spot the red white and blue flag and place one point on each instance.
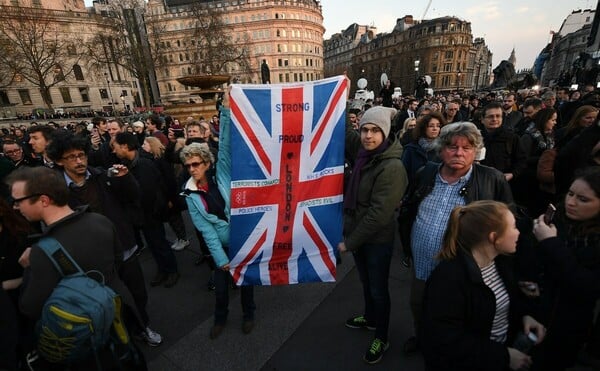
(287, 148)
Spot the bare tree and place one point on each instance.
(216, 50)
(35, 49)
(125, 43)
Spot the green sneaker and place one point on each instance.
(375, 352)
(359, 322)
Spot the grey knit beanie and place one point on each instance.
(380, 116)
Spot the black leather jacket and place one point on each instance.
(486, 183)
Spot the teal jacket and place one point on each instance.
(215, 231)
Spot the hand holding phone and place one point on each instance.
(549, 215)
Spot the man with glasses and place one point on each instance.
(40, 195)
(503, 150)
(437, 189)
(115, 195)
(14, 151)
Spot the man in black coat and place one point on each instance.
(503, 150)
(154, 206)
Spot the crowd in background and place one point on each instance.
(443, 169)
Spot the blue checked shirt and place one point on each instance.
(431, 221)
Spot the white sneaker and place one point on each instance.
(180, 245)
(151, 337)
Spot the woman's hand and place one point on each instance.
(518, 360)
(541, 230)
(342, 247)
(225, 267)
(531, 325)
(225, 101)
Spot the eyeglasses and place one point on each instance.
(373, 130)
(194, 164)
(75, 156)
(17, 201)
(12, 152)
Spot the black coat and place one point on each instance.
(486, 183)
(503, 151)
(118, 198)
(573, 273)
(458, 312)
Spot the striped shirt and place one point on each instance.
(492, 279)
(431, 221)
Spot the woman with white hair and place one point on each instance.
(208, 200)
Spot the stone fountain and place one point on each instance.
(210, 87)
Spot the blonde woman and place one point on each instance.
(470, 306)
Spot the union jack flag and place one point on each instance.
(287, 147)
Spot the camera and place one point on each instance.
(112, 171)
(178, 133)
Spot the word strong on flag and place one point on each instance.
(286, 181)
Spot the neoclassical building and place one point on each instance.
(286, 34)
(442, 48)
(78, 84)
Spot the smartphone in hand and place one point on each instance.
(549, 215)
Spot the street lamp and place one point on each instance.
(417, 61)
(478, 73)
(458, 81)
(112, 104)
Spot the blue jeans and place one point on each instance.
(222, 280)
(373, 265)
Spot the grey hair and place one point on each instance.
(197, 150)
(463, 129)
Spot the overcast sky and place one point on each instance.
(524, 25)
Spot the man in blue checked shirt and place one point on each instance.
(437, 189)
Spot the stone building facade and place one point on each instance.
(442, 48)
(85, 86)
(287, 34)
(571, 54)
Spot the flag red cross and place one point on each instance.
(289, 191)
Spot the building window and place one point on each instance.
(103, 93)
(4, 101)
(66, 95)
(447, 67)
(78, 72)
(85, 97)
(24, 94)
(449, 54)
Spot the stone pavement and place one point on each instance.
(298, 327)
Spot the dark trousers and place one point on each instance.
(373, 265)
(154, 232)
(132, 276)
(176, 223)
(222, 280)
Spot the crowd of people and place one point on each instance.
(105, 191)
(465, 180)
(501, 277)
